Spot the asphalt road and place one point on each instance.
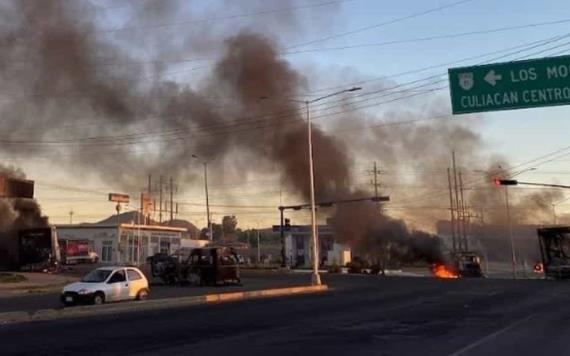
(361, 316)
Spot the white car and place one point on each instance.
(107, 284)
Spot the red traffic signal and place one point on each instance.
(499, 182)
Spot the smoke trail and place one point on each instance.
(63, 79)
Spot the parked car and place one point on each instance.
(107, 284)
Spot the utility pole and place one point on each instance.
(375, 173)
(282, 238)
(456, 200)
(209, 222)
(208, 201)
(160, 200)
(147, 218)
(258, 247)
(452, 211)
(141, 212)
(139, 232)
(71, 217)
(171, 201)
(463, 213)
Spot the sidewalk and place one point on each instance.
(36, 282)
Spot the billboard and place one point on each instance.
(119, 198)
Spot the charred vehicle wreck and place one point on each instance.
(555, 251)
(208, 266)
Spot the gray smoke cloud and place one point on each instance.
(16, 214)
(74, 90)
(65, 77)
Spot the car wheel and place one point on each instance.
(68, 303)
(98, 298)
(142, 294)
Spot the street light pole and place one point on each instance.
(510, 222)
(315, 278)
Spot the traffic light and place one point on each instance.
(499, 182)
(287, 224)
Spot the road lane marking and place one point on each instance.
(491, 336)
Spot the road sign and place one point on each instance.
(510, 85)
(118, 198)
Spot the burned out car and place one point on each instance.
(199, 266)
(468, 264)
(555, 251)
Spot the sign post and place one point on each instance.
(510, 85)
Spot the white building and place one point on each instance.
(136, 242)
(298, 247)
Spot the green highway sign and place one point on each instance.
(510, 85)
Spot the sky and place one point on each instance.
(520, 135)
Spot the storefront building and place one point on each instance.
(126, 243)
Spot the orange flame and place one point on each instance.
(440, 270)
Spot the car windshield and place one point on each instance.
(96, 276)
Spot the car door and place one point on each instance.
(118, 286)
(136, 282)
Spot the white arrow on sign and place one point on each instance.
(492, 77)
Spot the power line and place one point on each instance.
(432, 37)
(177, 132)
(539, 43)
(227, 17)
(381, 24)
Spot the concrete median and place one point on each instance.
(153, 304)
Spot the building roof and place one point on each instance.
(123, 226)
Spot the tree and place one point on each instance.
(229, 224)
(216, 229)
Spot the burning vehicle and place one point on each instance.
(555, 251)
(468, 264)
(207, 266)
(461, 265)
(444, 271)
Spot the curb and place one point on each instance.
(153, 304)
